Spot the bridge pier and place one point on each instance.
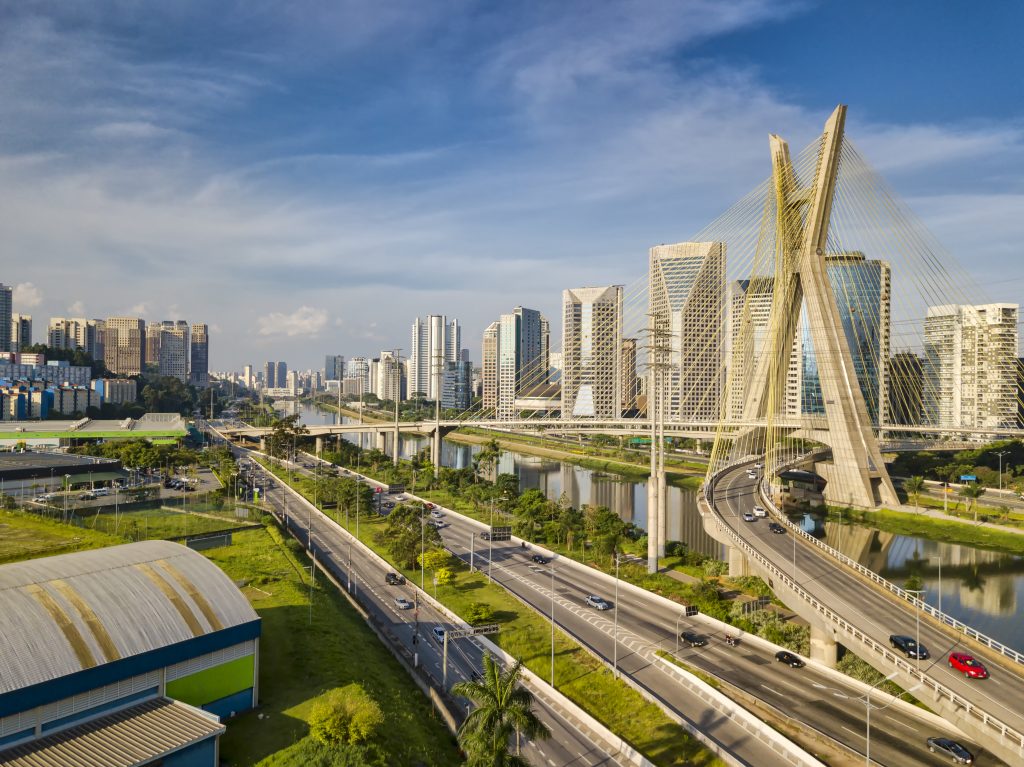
(382, 441)
(824, 648)
(319, 446)
(739, 565)
(263, 444)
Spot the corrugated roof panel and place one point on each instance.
(128, 738)
(107, 599)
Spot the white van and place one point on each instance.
(760, 512)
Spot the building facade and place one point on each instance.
(21, 331)
(489, 366)
(72, 333)
(905, 400)
(969, 366)
(434, 341)
(591, 352)
(173, 352)
(116, 391)
(391, 383)
(199, 356)
(334, 367)
(456, 385)
(6, 312)
(125, 346)
(687, 300)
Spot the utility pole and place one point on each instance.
(398, 396)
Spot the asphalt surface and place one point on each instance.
(566, 746)
(1001, 695)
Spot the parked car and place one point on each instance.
(438, 633)
(394, 579)
(597, 602)
(950, 748)
(791, 660)
(748, 517)
(909, 647)
(402, 603)
(776, 528)
(967, 665)
(693, 639)
(88, 496)
(540, 560)
(40, 499)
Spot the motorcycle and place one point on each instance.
(731, 640)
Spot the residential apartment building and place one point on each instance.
(125, 346)
(21, 331)
(173, 350)
(72, 333)
(6, 312)
(489, 366)
(969, 375)
(687, 301)
(116, 391)
(434, 341)
(591, 352)
(391, 383)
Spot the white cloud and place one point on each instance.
(76, 309)
(304, 321)
(139, 310)
(26, 295)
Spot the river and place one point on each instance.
(979, 587)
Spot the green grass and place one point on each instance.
(908, 523)
(162, 522)
(26, 536)
(578, 674)
(299, 661)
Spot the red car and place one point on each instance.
(967, 665)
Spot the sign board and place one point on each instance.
(968, 478)
(490, 628)
(501, 533)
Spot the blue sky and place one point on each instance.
(307, 177)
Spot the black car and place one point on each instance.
(950, 748)
(394, 579)
(791, 660)
(909, 647)
(485, 536)
(693, 639)
(776, 528)
(540, 560)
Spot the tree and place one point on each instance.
(284, 435)
(971, 493)
(345, 716)
(487, 457)
(914, 486)
(502, 707)
(401, 535)
(530, 510)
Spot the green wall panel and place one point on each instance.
(214, 683)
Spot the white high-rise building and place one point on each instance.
(434, 342)
(489, 366)
(173, 349)
(359, 368)
(592, 352)
(969, 367)
(72, 333)
(687, 295)
(389, 377)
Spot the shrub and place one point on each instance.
(479, 612)
(345, 715)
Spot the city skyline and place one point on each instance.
(636, 133)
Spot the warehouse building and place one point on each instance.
(127, 656)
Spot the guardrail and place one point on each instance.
(1006, 733)
(947, 620)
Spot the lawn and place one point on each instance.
(578, 674)
(163, 522)
(300, 660)
(26, 536)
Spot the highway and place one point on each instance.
(567, 745)
(872, 610)
(824, 701)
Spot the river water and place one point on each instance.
(979, 587)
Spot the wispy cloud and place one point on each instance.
(304, 321)
(26, 295)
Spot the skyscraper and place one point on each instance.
(334, 367)
(6, 310)
(521, 354)
(389, 377)
(591, 352)
(433, 342)
(687, 297)
(72, 333)
(630, 382)
(456, 392)
(125, 345)
(21, 331)
(269, 375)
(199, 367)
(862, 290)
(359, 367)
(969, 367)
(906, 389)
(489, 366)
(281, 375)
(173, 348)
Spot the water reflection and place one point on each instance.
(979, 587)
(581, 486)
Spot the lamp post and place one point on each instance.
(552, 625)
(67, 485)
(490, 542)
(919, 593)
(423, 524)
(1001, 453)
(681, 616)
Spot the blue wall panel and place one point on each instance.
(239, 702)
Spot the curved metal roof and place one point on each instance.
(63, 614)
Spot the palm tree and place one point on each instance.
(972, 493)
(501, 707)
(914, 486)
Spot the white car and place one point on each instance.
(402, 603)
(598, 603)
(760, 512)
(748, 516)
(437, 514)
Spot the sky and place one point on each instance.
(308, 177)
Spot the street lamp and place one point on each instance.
(1001, 453)
(867, 701)
(681, 616)
(615, 630)
(67, 485)
(552, 624)
(919, 593)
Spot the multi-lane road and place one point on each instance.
(411, 629)
(817, 698)
(868, 607)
